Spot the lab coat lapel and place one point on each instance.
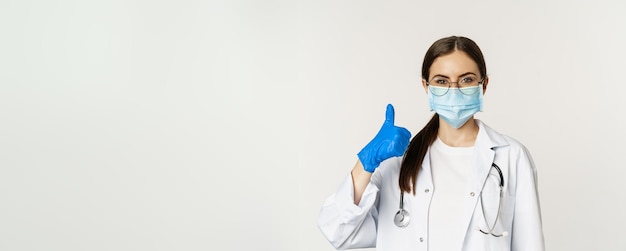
(486, 141)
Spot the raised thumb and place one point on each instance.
(390, 114)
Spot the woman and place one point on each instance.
(460, 185)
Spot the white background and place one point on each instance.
(223, 125)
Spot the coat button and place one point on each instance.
(421, 239)
(472, 194)
(427, 190)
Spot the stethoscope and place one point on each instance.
(402, 217)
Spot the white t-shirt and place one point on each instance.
(450, 170)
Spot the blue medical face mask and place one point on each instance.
(455, 107)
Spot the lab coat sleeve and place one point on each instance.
(527, 233)
(346, 225)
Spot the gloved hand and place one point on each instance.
(391, 141)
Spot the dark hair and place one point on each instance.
(415, 153)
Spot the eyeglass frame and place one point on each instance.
(481, 82)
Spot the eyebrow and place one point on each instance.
(464, 74)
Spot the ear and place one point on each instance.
(485, 85)
(424, 85)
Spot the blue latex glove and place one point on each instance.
(391, 141)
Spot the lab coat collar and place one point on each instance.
(488, 138)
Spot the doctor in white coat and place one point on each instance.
(459, 184)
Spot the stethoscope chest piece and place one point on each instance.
(402, 218)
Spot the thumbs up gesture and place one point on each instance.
(391, 141)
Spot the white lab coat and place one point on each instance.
(370, 224)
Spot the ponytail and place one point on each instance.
(415, 153)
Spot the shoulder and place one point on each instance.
(514, 144)
(502, 141)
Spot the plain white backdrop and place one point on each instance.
(223, 125)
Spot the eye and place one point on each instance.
(469, 80)
(440, 81)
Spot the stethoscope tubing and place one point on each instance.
(482, 206)
(402, 217)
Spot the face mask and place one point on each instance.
(455, 107)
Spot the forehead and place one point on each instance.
(454, 64)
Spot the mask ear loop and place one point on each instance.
(482, 93)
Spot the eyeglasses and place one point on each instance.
(439, 86)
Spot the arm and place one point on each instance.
(360, 179)
(349, 217)
(527, 233)
(346, 224)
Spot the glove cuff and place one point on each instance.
(368, 163)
